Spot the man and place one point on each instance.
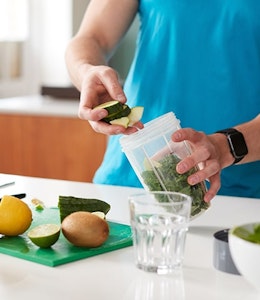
(199, 59)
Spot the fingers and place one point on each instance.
(108, 129)
(90, 114)
(214, 188)
(109, 79)
(199, 156)
(100, 85)
(204, 155)
(105, 128)
(210, 169)
(188, 134)
(208, 173)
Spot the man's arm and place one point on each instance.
(213, 153)
(104, 25)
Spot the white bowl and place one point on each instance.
(246, 255)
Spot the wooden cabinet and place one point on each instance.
(50, 147)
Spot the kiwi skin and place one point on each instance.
(84, 229)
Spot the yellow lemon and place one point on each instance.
(15, 216)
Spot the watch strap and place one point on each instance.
(242, 143)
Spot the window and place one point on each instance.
(33, 37)
(13, 20)
(13, 36)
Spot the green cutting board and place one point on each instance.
(62, 251)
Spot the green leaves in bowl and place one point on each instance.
(249, 235)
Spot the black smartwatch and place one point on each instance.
(236, 142)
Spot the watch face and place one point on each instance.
(237, 144)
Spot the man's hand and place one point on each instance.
(100, 85)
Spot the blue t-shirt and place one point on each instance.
(201, 60)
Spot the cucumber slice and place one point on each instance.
(112, 107)
(150, 163)
(123, 113)
(135, 115)
(124, 121)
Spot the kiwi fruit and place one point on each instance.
(85, 229)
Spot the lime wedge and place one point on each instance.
(38, 204)
(44, 235)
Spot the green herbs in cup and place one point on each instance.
(161, 175)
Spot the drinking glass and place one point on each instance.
(159, 222)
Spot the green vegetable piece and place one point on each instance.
(247, 235)
(124, 121)
(112, 107)
(122, 113)
(39, 207)
(70, 204)
(135, 115)
(164, 177)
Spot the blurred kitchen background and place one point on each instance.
(41, 134)
(33, 36)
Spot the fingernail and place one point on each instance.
(193, 180)
(181, 168)
(120, 97)
(177, 136)
(102, 114)
(208, 197)
(118, 131)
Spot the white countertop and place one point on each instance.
(113, 275)
(39, 105)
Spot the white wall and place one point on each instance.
(51, 30)
(56, 21)
(124, 54)
(52, 24)
(42, 63)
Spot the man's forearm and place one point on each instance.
(80, 57)
(251, 132)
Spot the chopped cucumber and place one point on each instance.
(150, 164)
(132, 118)
(135, 115)
(124, 121)
(122, 113)
(112, 107)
